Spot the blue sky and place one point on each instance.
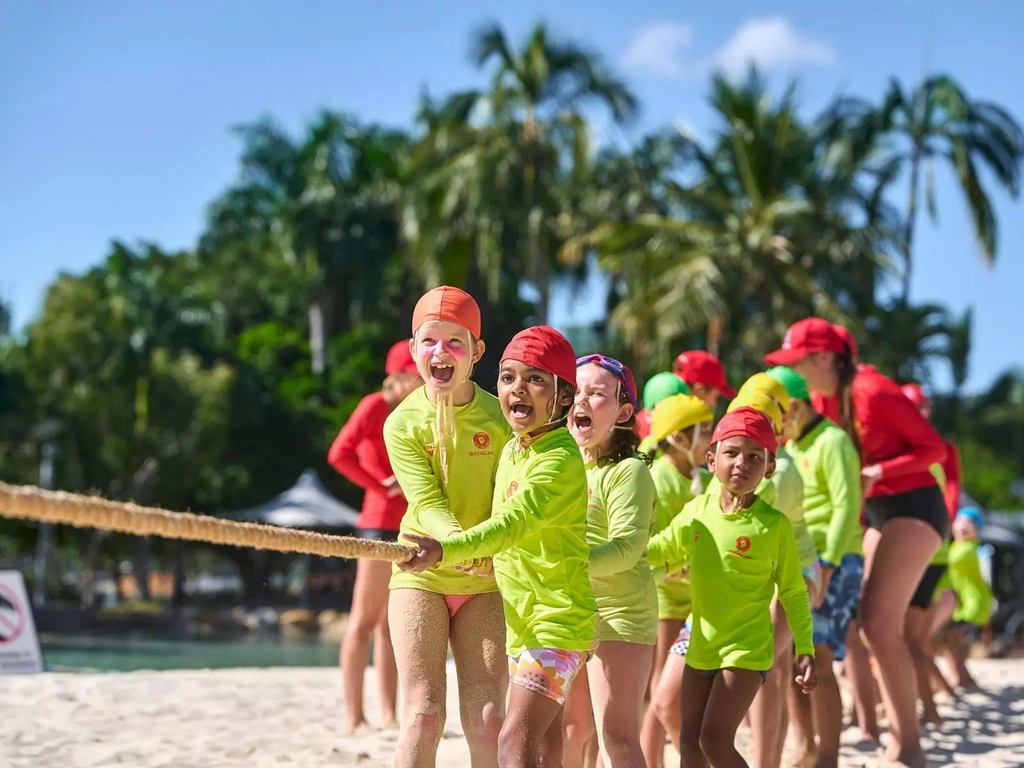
(117, 114)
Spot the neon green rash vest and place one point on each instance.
(829, 466)
(620, 514)
(736, 562)
(973, 594)
(439, 510)
(537, 535)
(673, 493)
(784, 491)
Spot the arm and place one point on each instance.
(630, 502)
(342, 454)
(793, 590)
(411, 465)
(926, 447)
(667, 550)
(841, 467)
(519, 516)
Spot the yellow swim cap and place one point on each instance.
(769, 385)
(676, 413)
(762, 402)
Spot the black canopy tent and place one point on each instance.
(307, 504)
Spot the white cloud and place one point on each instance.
(772, 44)
(658, 49)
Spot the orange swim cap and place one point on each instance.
(448, 304)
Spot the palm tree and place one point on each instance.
(903, 341)
(493, 174)
(938, 121)
(767, 228)
(326, 202)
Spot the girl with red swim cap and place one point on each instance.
(444, 442)
(740, 550)
(537, 536)
(359, 453)
(904, 510)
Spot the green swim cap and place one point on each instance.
(662, 385)
(794, 383)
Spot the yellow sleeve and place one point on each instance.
(793, 590)
(667, 551)
(629, 498)
(841, 466)
(519, 516)
(422, 488)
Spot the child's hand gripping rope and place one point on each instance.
(428, 553)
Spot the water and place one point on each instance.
(124, 654)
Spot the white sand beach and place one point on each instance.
(259, 718)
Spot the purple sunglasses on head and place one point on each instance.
(617, 369)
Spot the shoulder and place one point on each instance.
(769, 515)
(834, 437)
(487, 403)
(630, 471)
(409, 413)
(374, 404)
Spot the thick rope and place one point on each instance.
(27, 502)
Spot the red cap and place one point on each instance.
(399, 359)
(915, 394)
(848, 339)
(448, 304)
(747, 422)
(804, 338)
(700, 367)
(544, 348)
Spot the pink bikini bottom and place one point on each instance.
(454, 602)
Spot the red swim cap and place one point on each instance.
(399, 359)
(448, 304)
(746, 422)
(544, 348)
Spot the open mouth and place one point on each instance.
(582, 422)
(521, 411)
(442, 373)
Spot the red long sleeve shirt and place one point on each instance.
(359, 453)
(643, 423)
(951, 466)
(893, 435)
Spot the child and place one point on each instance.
(537, 537)
(974, 595)
(681, 433)
(444, 442)
(359, 453)
(658, 387)
(619, 516)
(740, 549)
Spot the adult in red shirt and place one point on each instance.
(904, 509)
(359, 454)
(705, 375)
(951, 466)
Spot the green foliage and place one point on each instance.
(211, 378)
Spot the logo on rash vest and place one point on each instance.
(512, 488)
(482, 441)
(430, 449)
(742, 547)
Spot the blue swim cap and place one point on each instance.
(974, 515)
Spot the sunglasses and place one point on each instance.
(615, 368)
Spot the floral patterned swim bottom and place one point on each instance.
(547, 671)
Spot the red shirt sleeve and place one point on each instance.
(342, 455)
(889, 409)
(951, 466)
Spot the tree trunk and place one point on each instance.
(714, 337)
(92, 554)
(45, 531)
(908, 262)
(178, 597)
(316, 337)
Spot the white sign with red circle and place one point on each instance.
(19, 645)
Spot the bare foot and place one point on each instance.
(919, 760)
(867, 741)
(389, 724)
(804, 760)
(360, 728)
(932, 718)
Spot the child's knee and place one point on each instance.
(666, 709)
(424, 719)
(715, 744)
(483, 726)
(515, 747)
(577, 732)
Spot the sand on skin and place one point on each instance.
(272, 717)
